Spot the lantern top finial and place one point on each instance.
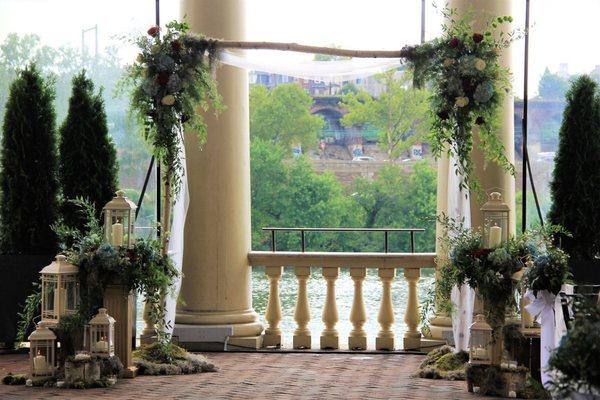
(479, 323)
(42, 332)
(495, 203)
(120, 202)
(102, 318)
(60, 266)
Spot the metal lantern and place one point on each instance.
(60, 290)
(495, 220)
(102, 334)
(480, 343)
(41, 351)
(119, 218)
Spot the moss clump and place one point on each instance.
(160, 353)
(169, 359)
(14, 379)
(443, 363)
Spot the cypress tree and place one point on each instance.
(87, 166)
(575, 186)
(28, 173)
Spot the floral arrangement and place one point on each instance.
(171, 78)
(548, 271)
(468, 85)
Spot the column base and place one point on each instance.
(147, 338)
(203, 337)
(384, 343)
(302, 342)
(130, 372)
(412, 343)
(246, 342)
(440, 328)
(357, 343)
(330, 342)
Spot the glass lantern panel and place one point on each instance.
(50, 293)
(42, 356)
(71, 295)
(479, 339)
(119, 227)
(495, 218)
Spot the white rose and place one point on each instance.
(140, 58)
(168, 100)
(461, 101)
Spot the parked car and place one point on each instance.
(363, 158)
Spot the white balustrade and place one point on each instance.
(272, 336)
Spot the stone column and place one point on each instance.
(216, 289)
(490, 175)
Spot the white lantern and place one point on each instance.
(480, 343)
(119, 218)
(60, 290)
(495, 220)
(102, 334)
(42, 343)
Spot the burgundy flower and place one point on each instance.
(478, 253)
(162, 78)
(176, 45)
(153, 31)
(480, 121)
(184, 118)
(443, 115)
(468, 86)
(453, 43)
(477, 37)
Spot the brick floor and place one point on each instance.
(267, 376)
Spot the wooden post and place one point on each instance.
(273, 315)
(302, 337)
(118, 301)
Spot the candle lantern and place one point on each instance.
(41, 351)
(60, 290)
(119, 218)
(480, 343)
(495, 220)
(102, 334)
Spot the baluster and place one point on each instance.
(302, 337)
(385, 337)
(329, 336)
(357, 340)
(412, 336)
(273, 315)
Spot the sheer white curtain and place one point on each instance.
(463, 297)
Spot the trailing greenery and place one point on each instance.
(28, 182)
(576, 177)
(87, 165)
(31, 309)
(468, 86)
(575, 364)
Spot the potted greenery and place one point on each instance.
(576, 180)
(575, 365)
(28, 193)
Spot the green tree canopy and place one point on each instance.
(28, 170)
(282, 116)
(87, 165)
(552, 86)
(576, 178)
(400, 114)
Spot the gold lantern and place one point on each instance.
(60, 290)
(42, 343)
(119, 218)
(495, 221)
(480, 342)
(102, 334)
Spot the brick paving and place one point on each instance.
(267, 376)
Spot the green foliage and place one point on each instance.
(14, 379)
(161, 353)
(576, 362)
(399, 114)
(549, 271)
(576, 177)
(28, 183)
(468, 86)
(282, 116)
(171, 79)
(87, 165)
(552, 86)
(30, 311)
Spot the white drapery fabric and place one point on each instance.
(463, 297)
(547, 310)
(180, 208)
(325, 71)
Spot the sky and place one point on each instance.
(561, 31)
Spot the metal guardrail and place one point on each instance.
(302, 231)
